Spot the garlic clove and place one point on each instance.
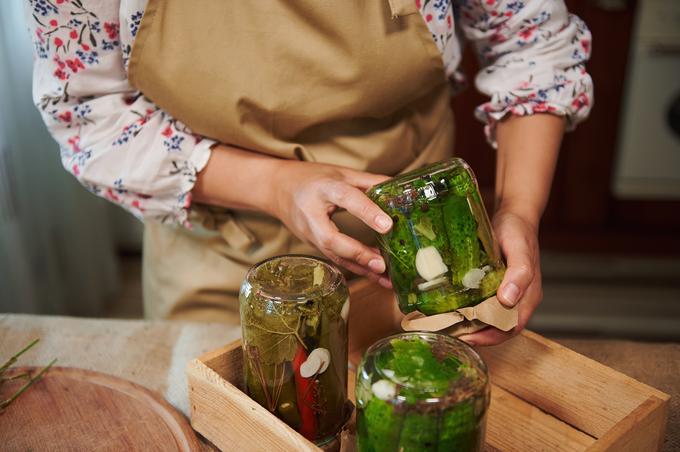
(316, 363)
(318, 275)
(310, 367)
(473, 278)
(389, 373)
(429, 263)
(324, 357)
(427, 285)
(344, 312)
(384, 390)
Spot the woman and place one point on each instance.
(236, 130)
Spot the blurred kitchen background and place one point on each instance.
(610, 236)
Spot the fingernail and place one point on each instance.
(467, 340)
(377, 265)
(511, 293)
(383, 221)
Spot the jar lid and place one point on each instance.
(293, 278)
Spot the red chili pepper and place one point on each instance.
(304, 389)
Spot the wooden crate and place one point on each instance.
(543, 397)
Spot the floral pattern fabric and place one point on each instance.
(122, 147)
(532, 54)
(115, 141)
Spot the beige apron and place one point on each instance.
(355, 83)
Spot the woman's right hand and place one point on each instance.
(305, 195)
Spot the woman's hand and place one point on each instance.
(303, 195)
(522, 282)
(527, 154)
(306, 194)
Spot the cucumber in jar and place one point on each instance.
(441, 253)
(421, 391)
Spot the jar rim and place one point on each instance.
(270, 293)
(430, 337)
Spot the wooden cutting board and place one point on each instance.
(76, 409)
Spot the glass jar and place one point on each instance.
(421, 391)
(441, 252)
(294, 322)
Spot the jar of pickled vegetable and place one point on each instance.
(441, 253)
(294, 322)
(421, 391)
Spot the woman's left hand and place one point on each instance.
(518, 239)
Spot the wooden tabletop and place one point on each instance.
(155, 354)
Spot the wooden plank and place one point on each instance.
(230, 419)
(226, 361)
(565, 384)
(515, 425)
(643, 429)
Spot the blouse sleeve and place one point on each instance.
(115, 141)
(533, 55)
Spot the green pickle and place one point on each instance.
(462, 234)
(294, 331)
(441, 253)
(419, 392)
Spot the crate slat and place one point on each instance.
(643, 429)
(230, 419)
(509, 418)
(582, 392)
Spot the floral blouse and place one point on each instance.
(122, 147)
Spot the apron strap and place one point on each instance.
(403, 7)
(237, 235)
(210, 220)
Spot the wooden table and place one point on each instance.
(154, 354)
